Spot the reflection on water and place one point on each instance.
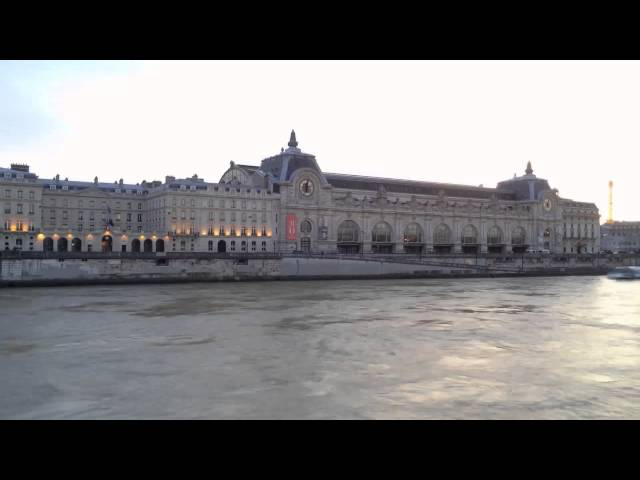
(564, 347)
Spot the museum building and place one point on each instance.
(286, 204)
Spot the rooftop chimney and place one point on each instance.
(20, 167)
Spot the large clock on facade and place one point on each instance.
(306, 187)
(547, 204)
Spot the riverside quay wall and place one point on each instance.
(50, 268)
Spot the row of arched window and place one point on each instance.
(349, 232)
(75, 245)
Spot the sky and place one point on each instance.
(467, 122)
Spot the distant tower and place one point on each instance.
(610, 216)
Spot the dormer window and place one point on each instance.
(193, 187)
(183, 187)
(118, 190)
(65, 187)
(52, 187)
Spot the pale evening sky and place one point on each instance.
(469, 122)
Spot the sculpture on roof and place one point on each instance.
(529, 170)
(292, 141)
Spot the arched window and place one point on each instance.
(159, 245)
(305, 226)
(135, 245)
(442, 235)
(518, 236)
(76, 245)
(148, 245)
(494, 236)
(62, 244)
(413, 233)
(47, 244)
(381, 233)
(348, 232)
(469, 235)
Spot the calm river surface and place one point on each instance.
(554, 348)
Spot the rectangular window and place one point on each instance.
(7, 208)
(31, 195)
(128, 217)
(233, 245)
(253, 246)
(31, 209)
(139, 217)
(264, 246)
(139, 206)
(19, 194)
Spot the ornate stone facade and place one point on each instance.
(288, 203)
(621, 237)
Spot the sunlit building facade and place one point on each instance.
(623, 237)
(287, 203)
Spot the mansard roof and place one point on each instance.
(359, 182)
(12, 173)
(76, 185)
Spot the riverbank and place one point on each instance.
(37, 269)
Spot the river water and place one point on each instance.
(530, 348)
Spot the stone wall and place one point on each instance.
(127, 270)
(65, 270)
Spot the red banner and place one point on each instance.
(291, 227)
